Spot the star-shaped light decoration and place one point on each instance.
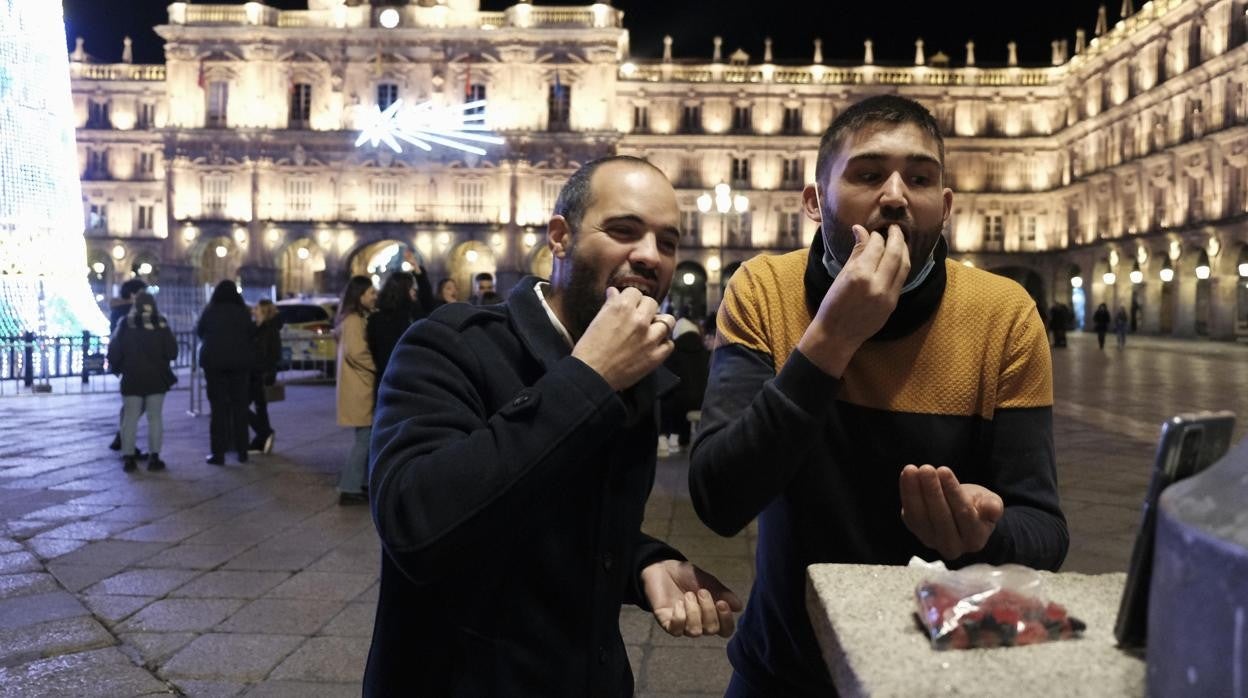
(423, 125)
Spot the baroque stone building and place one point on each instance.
(1116, 174)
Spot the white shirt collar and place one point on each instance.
(550, 313)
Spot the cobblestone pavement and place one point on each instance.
(249, 579)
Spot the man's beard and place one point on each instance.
(582, 298)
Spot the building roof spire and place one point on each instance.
(918, 52)
(970, 53)
(718, 55)
(868, 52)
(818, 51)
(127, 50)
(1102, 22)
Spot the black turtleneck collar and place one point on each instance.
(913, 309)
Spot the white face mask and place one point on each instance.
(834, 267)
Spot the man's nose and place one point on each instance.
(645, 251)
(893, 194)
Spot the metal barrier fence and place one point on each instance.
(75, 365)
(70, 364)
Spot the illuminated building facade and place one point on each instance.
(1116, 174)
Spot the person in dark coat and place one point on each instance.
(268, 347)
(690, 362)
(1059, 318)
(226, 356)
(513, 452)
(120, 308)
(140, 351)
(1100, 321)
(404, 299)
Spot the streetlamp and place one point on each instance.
(723, 202)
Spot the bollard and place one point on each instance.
(86, 351)
(29, 372)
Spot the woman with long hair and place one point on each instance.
(225, 355)
(357, 376)
(268, 347)
(404, 298)
(140, 351)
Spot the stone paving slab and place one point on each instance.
(233, 657)
(40, 640)
(106, 673)
(326, 659)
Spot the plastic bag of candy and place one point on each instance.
(988, 606)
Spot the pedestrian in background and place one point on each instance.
(357, 376)
(268, 348)
(119, 308)
(484, 285)
(140, 351)
(448, 292)
(399, 304)
(690, 361)
(226, 356)
(1059, 318)
(1121, 321)
(1100, 321)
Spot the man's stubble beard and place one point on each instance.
(582, 299)
(840, 241)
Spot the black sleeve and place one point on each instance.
(169, 344)
(116, 354)
(449, 479)
(751, 416)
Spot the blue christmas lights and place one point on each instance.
(43, 283)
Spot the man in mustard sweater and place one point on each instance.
(870, 400)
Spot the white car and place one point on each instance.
(308, 341)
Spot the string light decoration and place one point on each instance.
(424, 125)
(43, 254)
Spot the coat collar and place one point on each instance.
(913, 309)
(543, 341)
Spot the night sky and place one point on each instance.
(793, 24)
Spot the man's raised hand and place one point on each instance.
(627, 339)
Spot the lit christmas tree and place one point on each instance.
(43, 282)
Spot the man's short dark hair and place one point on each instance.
(880, 109)
(483, 276)
(574, 199)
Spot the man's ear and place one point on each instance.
(810, 203)
(559, 236)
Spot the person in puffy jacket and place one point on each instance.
(226, 357)
(140, 351)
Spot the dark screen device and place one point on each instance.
(1189, 443)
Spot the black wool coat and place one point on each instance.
(508, 484)
(141, 357)
(225, 331)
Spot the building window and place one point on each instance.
(738, 229)
(1073, 234)
(792, 173)
(557, 107)
(387, 94)
(690, 174)
(641, 118)
(472, 199)
(147, 165)
(97, 165)
(1030, 226)
(994, 230)
(1129, 212)
(147, 217)
(1159, 207)
(741, 173)
(218, 102)
(298, 198)
(475, 93)
(385, 198)
(742, 119)
(792, 122)
(97, 115)
(691, 119)
(550, 195)
(147, 115)
(691, 225)
(790, 229)
(97, 217)
(216, 195)
(300, 105)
